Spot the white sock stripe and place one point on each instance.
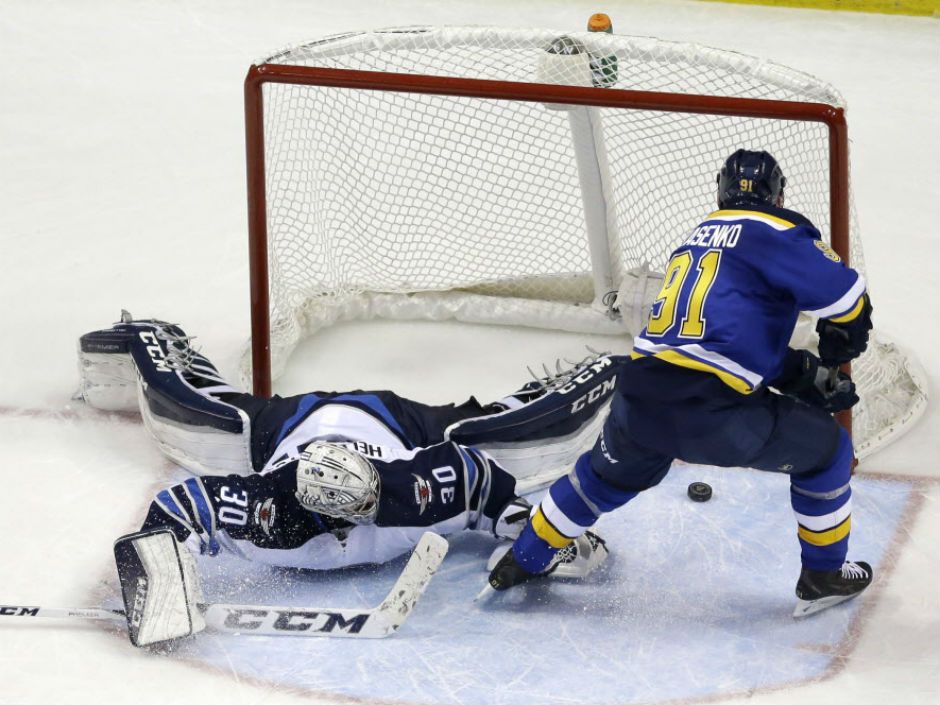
(825, 521)
(576, 483)
(559, 519)
(831, 494)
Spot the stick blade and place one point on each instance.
(425, 560)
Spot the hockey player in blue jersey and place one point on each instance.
(326, 479)
(700, 385)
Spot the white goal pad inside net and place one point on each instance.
(406, 206)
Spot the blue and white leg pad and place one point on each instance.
(148, 366)
(108, 378)
(541, 439)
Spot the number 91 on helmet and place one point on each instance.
(337, 482)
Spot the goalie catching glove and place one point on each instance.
(160, 587)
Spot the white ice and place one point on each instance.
(122, 185)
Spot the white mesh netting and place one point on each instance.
(405, 205)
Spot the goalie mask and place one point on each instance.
(338, 483)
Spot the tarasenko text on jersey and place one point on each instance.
(761, 264)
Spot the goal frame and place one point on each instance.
(832, 117)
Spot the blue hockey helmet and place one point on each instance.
(750, 177)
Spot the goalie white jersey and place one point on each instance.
(445, 488)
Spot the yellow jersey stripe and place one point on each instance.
(677, 358)
(830, 536)
(752, 214)
(548, 533)
(853, 314)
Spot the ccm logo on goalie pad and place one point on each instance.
(586, 376)
(140, 599)
(293, 621)
(599, 392)
(155, 351)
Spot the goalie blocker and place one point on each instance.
(162, 598)
(160, 587)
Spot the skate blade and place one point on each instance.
(804, 608)
(485, 594)
(495, 556)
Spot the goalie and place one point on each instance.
(320, 480)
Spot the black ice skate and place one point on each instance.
(577, 560)
(507, 573)
(817, 590)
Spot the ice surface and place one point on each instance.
(695, 601)
(122, 184)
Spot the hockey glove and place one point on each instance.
(841, 342)
(160, 586)
(806, 379)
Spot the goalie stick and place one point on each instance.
(375, 623)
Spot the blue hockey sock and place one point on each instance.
(571, 506)
(822, 502)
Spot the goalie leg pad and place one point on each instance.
(559, 411)
(160, 586)
(200, 448)
(175, 388)
(542, 438)
(108, 378)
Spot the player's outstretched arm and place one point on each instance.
(260, 511)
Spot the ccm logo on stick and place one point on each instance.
(19, 611)
(293, 621)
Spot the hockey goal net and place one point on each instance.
(521, 177)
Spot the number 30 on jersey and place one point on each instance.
(675, 282)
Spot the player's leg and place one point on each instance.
(604, 479)
(546, 407)
(545, 426)
(546, 423)
(179, 393)
(772, 432)
(809, 445)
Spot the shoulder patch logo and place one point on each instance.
(423, 494)
(265, 513)
(826, 250)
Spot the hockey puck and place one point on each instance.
(700, 492)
